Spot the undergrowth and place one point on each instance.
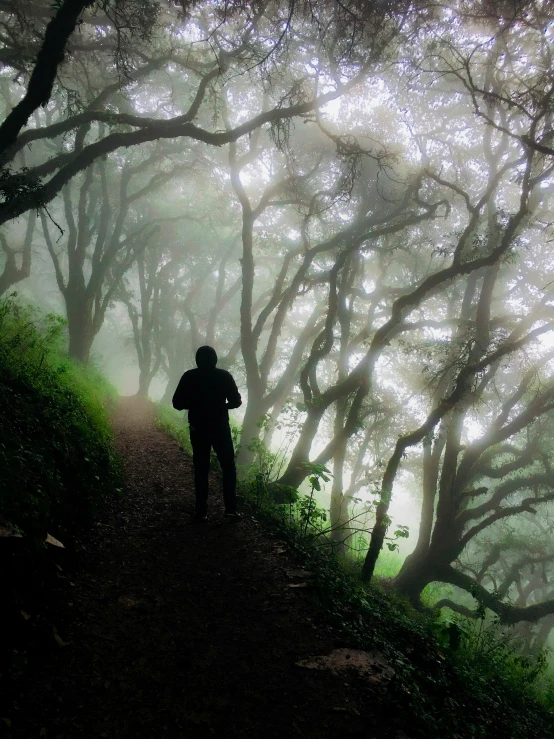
(57, 463)
(56, 453)
(171, 422)
(457, 679)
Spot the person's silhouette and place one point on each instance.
(207, 393)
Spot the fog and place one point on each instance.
(353, 205)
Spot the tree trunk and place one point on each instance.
(432, 563)
(171, 386)
(79, 324)
(414, 576)
(250, 434)
(340, 518)
(296, 471)
(275, 413)
(427, 508)
(12, 274)
(168, 393)
(145, 378)
(377, 536)
(541, 639)
(338, 509)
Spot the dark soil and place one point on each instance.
(167, 628)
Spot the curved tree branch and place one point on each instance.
(49, 58)
(507, 613)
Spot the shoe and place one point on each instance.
(233, 514)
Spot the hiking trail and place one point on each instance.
(174, 629)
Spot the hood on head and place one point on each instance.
(206, 357)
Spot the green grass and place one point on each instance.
(454, 679)
(388, 565)
(173, 423)
(57, 465)
(56, 450)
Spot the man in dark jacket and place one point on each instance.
(207, 393)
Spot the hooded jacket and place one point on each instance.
(207, 392)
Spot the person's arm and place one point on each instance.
(181, 397)
(233, 396)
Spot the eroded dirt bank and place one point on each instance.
(171, 629)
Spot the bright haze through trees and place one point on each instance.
(352, 201)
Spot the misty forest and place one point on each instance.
(352, 203)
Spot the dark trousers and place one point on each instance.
(203, 440)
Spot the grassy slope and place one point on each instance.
(454, 682)
(55, 441)
(56, 460)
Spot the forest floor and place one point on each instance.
(167, 628)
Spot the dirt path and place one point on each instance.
(183, 630)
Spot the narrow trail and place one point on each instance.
(182, 630)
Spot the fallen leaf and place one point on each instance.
(59, 640)
(369, 665)
(125, 600)
(50, 540)
(340, 709)
(25, 615)
(300, 574)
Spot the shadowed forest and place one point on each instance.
(353, 203)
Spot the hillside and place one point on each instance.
(166, 628)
